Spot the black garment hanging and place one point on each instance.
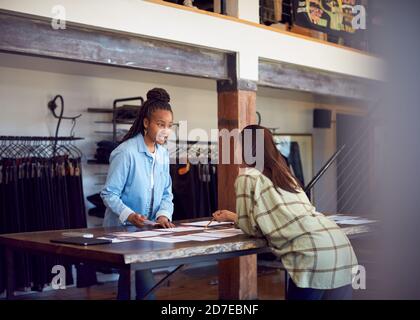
(295, 162)
(183, 189)
(195, 192)
(194, 186)
(40, 189)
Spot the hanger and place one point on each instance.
(184, 170)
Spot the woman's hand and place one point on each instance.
(136, 219)
(164, 222)
(225, 216)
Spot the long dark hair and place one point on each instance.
(157, 99)
(275, 167)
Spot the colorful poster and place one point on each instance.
(330, 16)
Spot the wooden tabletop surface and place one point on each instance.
(138, 251)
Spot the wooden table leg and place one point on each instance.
(10, 274)
(128, 276)
(238, 278)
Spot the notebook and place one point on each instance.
(81, 241)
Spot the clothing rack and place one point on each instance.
(38, 147)
(115, 121)
(198, 176)
(35, 138)
(41, 189)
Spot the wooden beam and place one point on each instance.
(236, 109)
(35, 36)
(237, 276)
(233, 84)
(292, 77)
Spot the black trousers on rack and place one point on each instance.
(41, 194)
(195, 192)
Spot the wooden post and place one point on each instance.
(236, 109)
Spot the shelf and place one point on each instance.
(99, 110)
(107, 110)
(118, 122)
(120, 131)
(115, 121)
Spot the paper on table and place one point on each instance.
(165, 239)
(139, 234)
(205, 223)
(192, 237)
(180, 229)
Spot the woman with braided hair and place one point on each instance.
(139, 186)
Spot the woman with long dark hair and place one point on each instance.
(270, 203)
(138, 186)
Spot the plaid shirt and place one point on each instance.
(312, 248)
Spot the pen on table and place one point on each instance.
(209, 222)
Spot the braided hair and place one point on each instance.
(157, 99)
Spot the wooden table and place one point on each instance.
(130, 256)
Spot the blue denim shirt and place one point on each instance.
(128, 185)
